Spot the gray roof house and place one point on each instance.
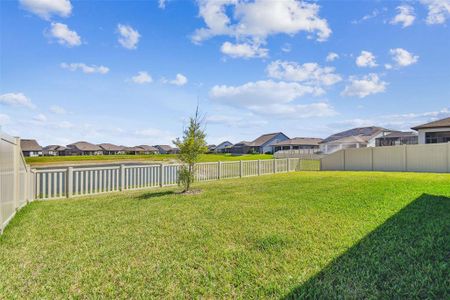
(360, 137)
(111, 149)
(30, 147)
(164, 149)
(148, 149)
(83, 148)
(54, 150)
(263, 144)
(223, 147)
(434, 132)
(299, 143)
(397, 138)
(133, 150)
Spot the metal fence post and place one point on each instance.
(161, 175)
(240, 168)
(219, 167)
(259, 167)
(69, 182)
(122, 177)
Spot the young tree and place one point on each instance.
(191, 146)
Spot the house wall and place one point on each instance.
(423, 131)
(268, 146)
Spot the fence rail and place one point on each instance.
(81, 181)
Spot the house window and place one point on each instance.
(437, 137)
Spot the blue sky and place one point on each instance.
(131, 72)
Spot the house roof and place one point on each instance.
(223, 143)
(366, 132)
(110, 147)
(148, 148)
(54, 148)
(399, 134)
(435, 124)
(84, 146)
(242, 143)
(265, 138)
(133, 149)
(30, 145)
(351, 139)
(164, 147)
(299, 141)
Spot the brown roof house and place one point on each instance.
(263, 144)
(360, 137)
(111, 149)
(148, 149)
(30, 148)
(133, 150)
(299, 143)
(434, 132)
(83, 148)
(54, 150)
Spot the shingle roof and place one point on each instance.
(85, 146)
(133, 149)
(164, 147)
(30, 145)
(147, 148)
(54, 148)
(366, 132)
(242, 143)
(351, 139)
(399, 134)
(435, 124)
(299, 141)
(110, 147)
(223, 143)
(264, 139)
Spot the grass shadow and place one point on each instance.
(151, 195)
(408, 256)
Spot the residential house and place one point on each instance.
(353, 138)
(54, 150)
(263, 144)
(397, 138)
(133, 150)
(164, 149)
(434, 132)
(111, 149)
(30, 148)
(83, 148)
(148, 149)
(211, 148)
(310, 145)
(223, 147)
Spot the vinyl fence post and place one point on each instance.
(69, 182)
(405, 158)
(240, 168)
(16, 173)
(287, 165)
(274, 165)
(259, 167)
(161, 175)
(219, 167)
(122, 177)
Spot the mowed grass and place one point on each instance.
(80, 159)
(318, 235)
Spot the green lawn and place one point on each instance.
(318, 235)
(49, 160)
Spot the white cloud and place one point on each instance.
(271, 98)
(4, 119)
(85, 68)
(142, 77)
(46, 8)
(388, 66)
(56, 109)
(245, 50)
(372, 15)
(403, 58)
(366, 59)
(128, 37)
(286, 48)
(236, 121)
(364, 86)
(332, 56)
(405, 16)
(179, 80)
(16, 99)
(256, 20)
(438, 11)
(155, 135)
(308, 73)
(162, 4)
(64, 35)
(41, 118)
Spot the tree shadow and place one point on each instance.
(408, 256)
(150, 195)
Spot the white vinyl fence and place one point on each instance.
(69, 182)
(16, 179)
(405, 158)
